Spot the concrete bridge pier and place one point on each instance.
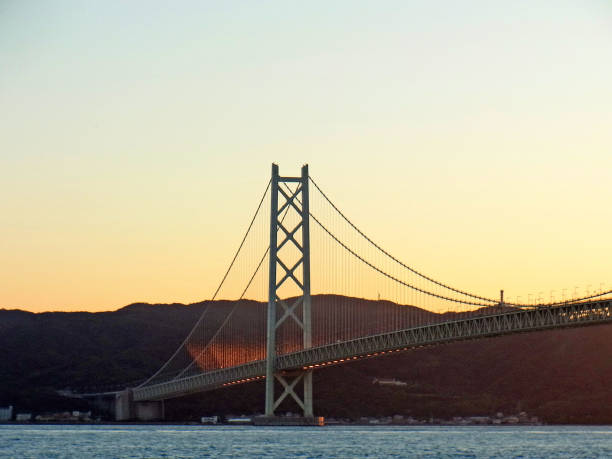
(126, 409)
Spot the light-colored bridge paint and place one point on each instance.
(517, 321)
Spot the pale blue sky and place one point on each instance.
(426, 121)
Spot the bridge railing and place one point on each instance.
(507, 322)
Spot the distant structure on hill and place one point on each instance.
(389, 382)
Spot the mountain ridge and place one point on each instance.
(559, 375)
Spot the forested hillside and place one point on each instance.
(560, 375)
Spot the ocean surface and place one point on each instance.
(153, 441)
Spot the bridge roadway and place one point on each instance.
(508, 322)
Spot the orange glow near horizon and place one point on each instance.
(131, 165)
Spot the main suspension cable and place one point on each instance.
(414, 271)
(494, 301)
(393, 278)
(235, 306)
(242, 243)
(165, 365)
(227, 318)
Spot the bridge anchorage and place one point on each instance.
(294, 333)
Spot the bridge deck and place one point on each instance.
(523, 320)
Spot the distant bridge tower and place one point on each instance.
(278, 310)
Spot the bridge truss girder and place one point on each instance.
(522, 320)
(518, 321)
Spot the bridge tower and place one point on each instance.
(278, 310)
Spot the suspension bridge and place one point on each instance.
(293, 313)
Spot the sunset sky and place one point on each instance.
(473, 140)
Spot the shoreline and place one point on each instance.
(355, 424)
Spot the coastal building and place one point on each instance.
(389, 382)
(209, 419)
(6, 414)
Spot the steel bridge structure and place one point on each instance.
(285, 340)
(503, 323)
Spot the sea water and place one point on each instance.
(153, 441)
